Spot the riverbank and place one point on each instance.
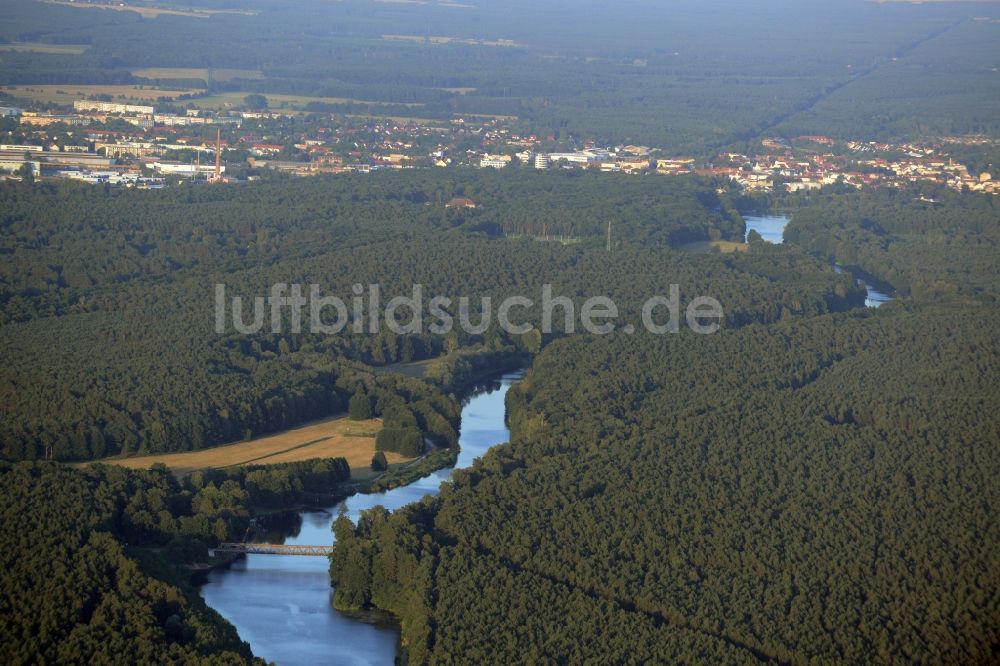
(199, 570)
(869, 280)
(771, 229)
(418, 469)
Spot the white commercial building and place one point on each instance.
(21, 148)
(581, 156)
(112, 107)
(15, 165)
(186, 170)
(494, 161)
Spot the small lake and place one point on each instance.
(772, 229)
(281, 605)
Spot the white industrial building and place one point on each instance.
(14, 165)
(494, 161)
(185, 170)
(112, 107)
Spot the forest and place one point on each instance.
(97, 560)
(110, 353)
(816, 483)
(817, 488)
(811, 491)
(937, 244)
(72, 588)
(813, 483)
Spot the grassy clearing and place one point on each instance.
(65, 93)
(38, 47)
(277, 102)
(415, 369)
(196, 73)
(488, 116)
(725, 247)
(400, 119)
(430, 121)
(330, 438)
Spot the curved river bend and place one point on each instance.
(772, 229)
(281, 604)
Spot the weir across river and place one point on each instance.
(274, 549)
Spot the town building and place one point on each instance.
(21, 148)
(111, 107)
(494, 161)
(181, 169)
(45, 119)
(14, 165)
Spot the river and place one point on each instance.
(772, 229)
(281, 604)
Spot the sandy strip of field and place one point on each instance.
(153, 12)
(278, 102)
(218, 74)
(442, 39)
(330, 438)
(704, 247)
(39, 47)
(66, 93)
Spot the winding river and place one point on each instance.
(281, 604)
(772, 229)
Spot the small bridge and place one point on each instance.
(273, 549)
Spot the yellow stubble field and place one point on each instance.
(329, 438)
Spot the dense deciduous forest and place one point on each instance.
(818, 472)
(71, 586)
(115, 352)
(817, 488)
(810, 490)
(96, 560)
(936, 245)
(57, 237)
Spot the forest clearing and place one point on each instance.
(334, 437)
